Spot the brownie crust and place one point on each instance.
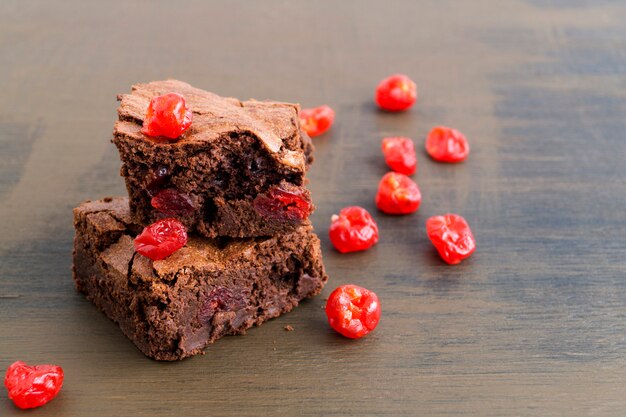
(233, 152)
(176, 307)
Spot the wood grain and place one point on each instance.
(533, 325)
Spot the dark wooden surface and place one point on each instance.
(533, 325)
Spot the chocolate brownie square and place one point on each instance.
(238, 171)
(174, 308)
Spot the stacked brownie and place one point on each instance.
(236, 180)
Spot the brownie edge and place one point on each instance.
(175, 308)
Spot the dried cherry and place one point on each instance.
(353, 230)
(158, 180)
(33, 386)
(168, 115)
(317, 121)
(161, 239)
(353, 311)
(400, 154)
(172, 202)
(277, 203)
(396, 93)
(451, 236)
(219, 299)
(398, 194)
(444, 144)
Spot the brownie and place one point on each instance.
(174, 308)
(234, 153)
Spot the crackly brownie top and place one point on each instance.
(275, 124)
(109, 220)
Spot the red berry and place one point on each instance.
(219, 299)
(33, 386)
(353, 311)
(396, 93)
(161, 239)
(284, 205)
(317, 120)
(172, 202)
(168, 115)
(400, 155)
(452, 237)
(353, 230)
(447, 145)
(398, 194)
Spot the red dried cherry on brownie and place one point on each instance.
(353, 311)
(168, 115)
(317, 121)
(400, 154)
(33, 386)
(445, 144)
(161, 239)
(353, 230)
(398, 194)
(451, 236)
(284, 205)
(172, 202)
(396, 93)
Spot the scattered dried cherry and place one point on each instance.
(451, 236)
(317, 120)
(398, 194)
(353, 311)
(172, 202)
(284, 205)
(396, 93)
(33, 386)
(219, 299)
(400, 154)
(447, 145)
(168, 115)
(353, 230)
(158, 180)
(161, 239)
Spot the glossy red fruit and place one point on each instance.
(353, 230)
(396, 93)
(317, 120)
(172, 202)
(400, 154)
(284, 205)
(161, 239)
(452, 237)
(398, 194)
(447, 145)
(33, 386)
(353, 311)
(168, 115)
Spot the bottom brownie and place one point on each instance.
(175, 307)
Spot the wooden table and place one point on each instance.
(534, 324)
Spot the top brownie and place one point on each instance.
(238, 171)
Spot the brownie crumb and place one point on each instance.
(289, 328)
